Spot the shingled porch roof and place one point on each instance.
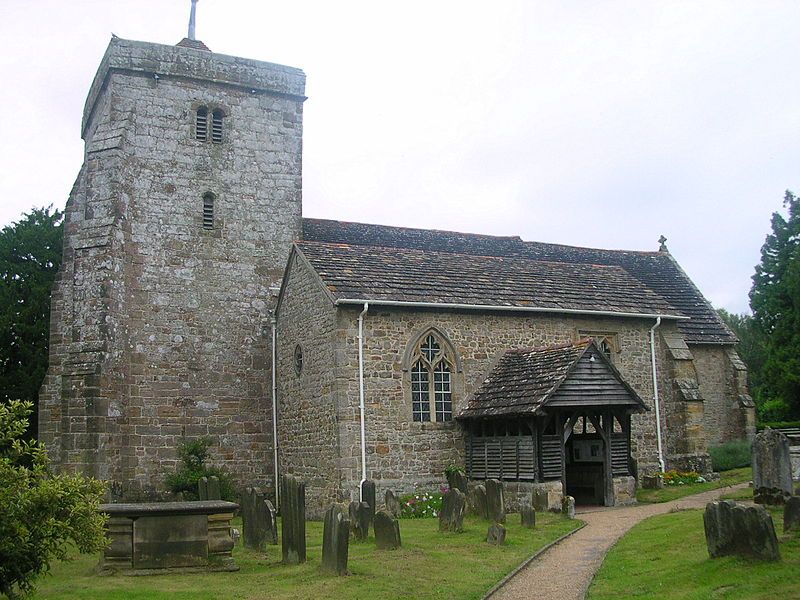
(408, 275)
(525, 381)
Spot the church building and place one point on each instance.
(195, 300)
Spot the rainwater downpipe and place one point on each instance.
(655, 392)
(275, 409)
(361, 400)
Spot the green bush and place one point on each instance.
(674, 477)
(778, 425)
(776, 409)
(730, 455)
(193, 455)
(41, 514)
(420, 505)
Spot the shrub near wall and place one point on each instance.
(730, 455)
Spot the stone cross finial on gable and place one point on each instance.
(663, 247)
(192, 20)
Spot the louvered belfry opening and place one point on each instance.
(201, 124)
(560, 413)
(216, 126)
(208, 210)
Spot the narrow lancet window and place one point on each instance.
(216, 126)
(208, 211)
(201, 124)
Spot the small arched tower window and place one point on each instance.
(208, 210)
(216, 125)
(201, 124)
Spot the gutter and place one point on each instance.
(361, 399)
(492, 307)
(655, 392)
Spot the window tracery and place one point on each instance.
(431, 381)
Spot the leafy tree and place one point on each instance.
(30, 255)
(42, 513)
(193, 455)
(775, 300)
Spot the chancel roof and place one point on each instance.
(525, 381)
(655, 271)
(372, 273)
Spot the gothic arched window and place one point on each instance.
(431, 381)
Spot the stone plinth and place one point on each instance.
(159, 537)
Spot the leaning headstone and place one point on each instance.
(270, 521)
(454, 505)
(772, 468)
(359, 513)
(495, 503)
(368, 496)
(392, 504)
(476, 501)
(213, 490)
(791, 515)
(568, 507)
(202, 488)
(456, 480)
(541, 499)
(387, 531)
(335, 541)
(496, 534)
(734, 529)
(528, 516)
(293, 524)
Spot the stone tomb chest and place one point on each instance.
(153, 537)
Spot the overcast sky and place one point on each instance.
(601, 124)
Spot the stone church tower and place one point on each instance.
(177, 231)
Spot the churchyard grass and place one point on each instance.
(673, 492)
(429, 565)
(666, 557)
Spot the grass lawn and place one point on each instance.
(429, 565)
(666, 557)
(672, 492)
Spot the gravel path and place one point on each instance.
(565, 571)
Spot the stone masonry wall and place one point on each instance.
(308, 436)
(164, 329)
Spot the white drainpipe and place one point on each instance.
(275, 409)
(655, 391)
(361, 398)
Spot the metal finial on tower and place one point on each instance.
(192, 20)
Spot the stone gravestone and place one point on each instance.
(259, 520)
(496, 534)
(791, 515)
(541, 499)
(495, 503)
(270, 520)
(360, 515)
(454, 505)
(456, 480)
(568, 507)
(528, 516)
(202, 488)
(732, 528)
(293, 523)
(477, 501)
(392, 504)
(213, 490)
(368, 496)
(387, 531)
(653, 482)
(335, 541)
(772, 468)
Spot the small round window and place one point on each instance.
(298, 359)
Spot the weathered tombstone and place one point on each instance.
(368, 496)
(477, 501)
(335, 541)
(652, 482)
(454, 505)
(456, 480)
(496, 534)
(387, 531)
(495, 503)
(293, 523)
(270, 520)
(213, 490)
(541, 499)
(732, 528)
(791, 515)
(528, 516)
(202, 488)
(392, 504)
(568, 507)
(259, 520)
(772, 467)
(360, 515)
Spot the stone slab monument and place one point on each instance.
(772, 467)
(495, 501)
(528, 516)
(392, 504)
(791, 515)
(476, 501)
(732, 528)
(368, 496)
(360, 516)
(568, 507)
(335, 541)
(454, 505)
(293, 522)
(387, 531)
(456, 480)
(259, 520)
(496, 535)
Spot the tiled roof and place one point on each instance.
(657, 271)
(410, 275)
